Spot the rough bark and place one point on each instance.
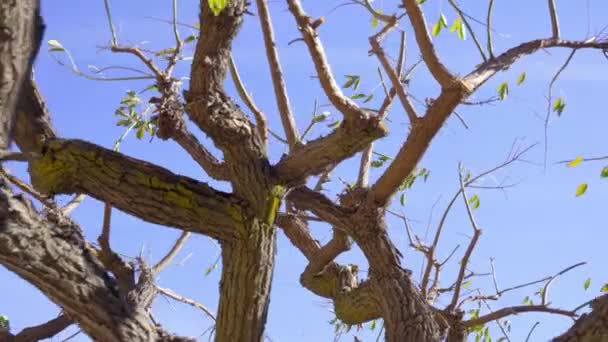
(247, 270)
(54, 257)
(592, 327)
(20, 34)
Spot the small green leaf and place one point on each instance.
(352, 80)
(443, 20)
(140, 132)
(402, 199)
(559, 105)
(420, 2)
(190, 39)
(437, 28)
(319, 118)
(368, 98)
(372, 326)
(581, 189)
(462, 32)
(334, 124)
(376, 164)
(358, 96)
(217, 6)
(574, 162)
(466, 284)
(526, 299)
(503, 90)
(375, 19)
(587, 284)
(521, 78)
(604, 173)
(604, 288)
(474, 201)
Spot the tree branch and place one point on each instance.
(514, 310)
(554, 20)
(166, 260)
(139, 188)
(392, 74)
(423, 38)
(45, 330)
(345, 105)
(278, 82)
(191, 302)
(313, 158)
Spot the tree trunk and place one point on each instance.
(20, 34)
(247, 268)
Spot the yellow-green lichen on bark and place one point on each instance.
(49, 174)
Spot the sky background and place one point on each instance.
(532, 230)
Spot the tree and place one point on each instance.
(109, 297)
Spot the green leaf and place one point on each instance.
(521, 78)
(443, 20)
(217, 6)
(604, 288)
(358, 96)
(437, 28)
(559, 105)
(375, 19)
(4, 322)
(402, 199)
(456, 24)
(352, 80)
(140, 132)
(372, 326)
(474, 201)
(574, 162)
(420, 2)
(503, 90)
(526, 299)
(604, 173)
(368, 98)
(466, 284)
(334, 124)
(55, 45)
(587, 284)
(376, 164)
(462, 32)
(190, 39)
(581, 189)
(150, 87)
(321, 117)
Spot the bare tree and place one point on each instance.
(109, 298)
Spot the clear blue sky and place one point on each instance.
(532, 230)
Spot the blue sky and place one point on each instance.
(532, 230)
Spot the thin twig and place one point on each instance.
(531, 331)
(73, 203)
(549, 102)
(278, 81)
(554, 20)
(488, 31)
(110, 24)
(260, 118)
(169, 293)
(166, 260)
(467, 255)
(469, 28)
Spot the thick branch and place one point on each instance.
(306, 199)
(54, 257)
(423, 38)
(417, 143)
(139, 188)
(307, 27)
(514, 310)
(314, 157)
(45, 330)
(354, 303)
(504, 61)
